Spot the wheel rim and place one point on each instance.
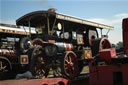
(71, 65)
(105, 44)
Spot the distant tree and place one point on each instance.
(119, 47)
(113, 46)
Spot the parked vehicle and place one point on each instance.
(55, 41)
(14, 45)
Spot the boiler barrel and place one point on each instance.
(64, 47)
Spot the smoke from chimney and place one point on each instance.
(45, 4)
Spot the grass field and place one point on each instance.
(85, 69)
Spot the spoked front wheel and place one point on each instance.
(38, 63)
(69, 65)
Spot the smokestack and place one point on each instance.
(52, 9)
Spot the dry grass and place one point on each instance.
(85, 69)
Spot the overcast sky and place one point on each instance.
(109, 12)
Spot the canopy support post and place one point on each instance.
(101, 32)
(48, 25)
(29, 28)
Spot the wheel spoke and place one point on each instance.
(66, 61)
(70, 60)
(3, 67)
(66, 66)
(70, 65)
(67, 58)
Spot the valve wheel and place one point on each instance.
(69, 65)
(39, 63)
(37, 41)
(100, 44)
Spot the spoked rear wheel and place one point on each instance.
(69, 65)
(38, 63)
(99, 44)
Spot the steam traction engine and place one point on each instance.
(49, 41)
(13, 50)
(67, 43)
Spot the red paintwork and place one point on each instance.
(46, 81)
(68, 47)
(107, 54)
(125, 35)
(99, 75)
(103, 75)
(54, 81)
(4, 52)
(21, 82)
